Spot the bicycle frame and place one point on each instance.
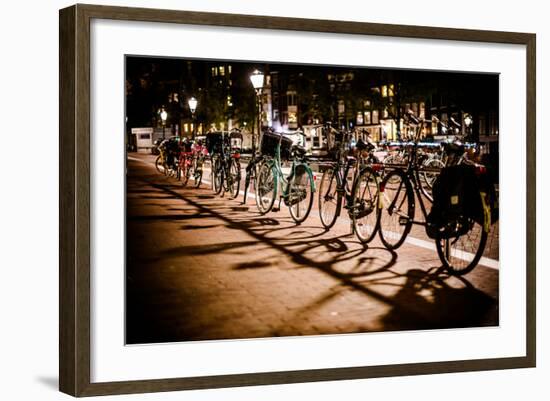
(284, 182)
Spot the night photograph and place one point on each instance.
(274, 199)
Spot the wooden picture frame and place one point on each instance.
(74, 204)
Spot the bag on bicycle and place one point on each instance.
(457, 202)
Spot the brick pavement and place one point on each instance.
(202, 267)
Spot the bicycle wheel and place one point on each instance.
(330, 200)
(266, 187)
(159, 164)
(462, 253)
(430, 176)
(186, 172)
(364, 209)
(235, 172)
(397, 209)
(217, 175)
(300, 193)
(198, 171)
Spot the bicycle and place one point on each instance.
(359, 199)
(251, 172)
(200, 153)
(460, 247)
(226, 168)
(185, 162)
(165, 162)
(296, 189)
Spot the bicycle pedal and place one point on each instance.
(403, 221)
(276, 209)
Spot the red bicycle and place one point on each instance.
(185, 163)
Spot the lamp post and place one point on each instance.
(468, 120)
(163, 117)
(193, 106)
(257, 79)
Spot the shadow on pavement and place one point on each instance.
(420, 299)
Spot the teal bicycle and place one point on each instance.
(296, 189)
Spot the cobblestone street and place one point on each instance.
(204, 267)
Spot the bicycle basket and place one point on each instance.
(269, 145)
(214, 141)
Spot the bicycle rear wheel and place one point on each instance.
(300, 193)
(462, 253)
(397, 209)
(364, 208)
(330, 200)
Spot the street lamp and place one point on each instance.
(193, 106)
(257, 79)
(163, 117)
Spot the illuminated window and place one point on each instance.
(359, 118)
(422, 111)
(385, 113)
(367, 117)
(384, 90)
(222, 70)
(214, 71)
(292, 117)
(391, 90)
(229, 69)
(375, 119)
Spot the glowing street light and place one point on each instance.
(192, 102)
(257, 79)
(193, 105)
(163, 117)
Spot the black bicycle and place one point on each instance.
(459, 246)
(225, 164)
(350, 183)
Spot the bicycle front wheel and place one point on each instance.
(300, 193)
(198, 172)
(266, 188)
(159, 164)
(364, 208)
(186, 172)
(235, 172)
(330, 200)
(217, 175)
(396, 213)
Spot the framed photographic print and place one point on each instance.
(250, 200)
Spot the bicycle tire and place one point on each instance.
(186, 173)
(460, 262)
(158, 164)
(235, 171)
(393, 209)
(365, 211)
(266, 188)
(198, 172)
(301, 183)
(327, 196)
(217, 176)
